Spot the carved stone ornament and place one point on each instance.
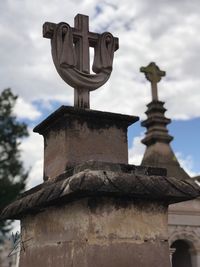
(70, 52)
(154, 75)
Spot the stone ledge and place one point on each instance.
(99, 165)
(102, 183)
(124, 168)
(95, 119)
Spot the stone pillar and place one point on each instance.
(73, 136)
(97, 232)
(195, 257)
(171, 250)
(93, 209)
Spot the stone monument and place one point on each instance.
(93, 208)
(70, 52)
(157, 140)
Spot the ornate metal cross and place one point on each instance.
(154, 75)
(70, 52)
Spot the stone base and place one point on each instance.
(73, 136)
(100, 215)
(100, 232)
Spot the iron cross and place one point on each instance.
(154, 75)
(83, 39)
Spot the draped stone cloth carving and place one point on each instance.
(71, 56)
(64, 57)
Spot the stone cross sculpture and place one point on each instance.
(154, 75)
(70, 52)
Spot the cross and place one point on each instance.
(154, 75)
(83, 39)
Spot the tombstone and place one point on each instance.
(93, 208)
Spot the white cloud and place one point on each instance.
(36, 174)
(136, 152)
(25, 110)
(186, 163)
(163, 31)
(32, 156)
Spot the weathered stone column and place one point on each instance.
(95, 213)
(73, 136)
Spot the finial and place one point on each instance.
(70, 52)
(154, 75)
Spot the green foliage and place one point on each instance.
(12, 173)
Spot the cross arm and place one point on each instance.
(48, 29)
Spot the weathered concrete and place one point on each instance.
(64, 148)
(97, 232)
(103, 179)
(73, 136)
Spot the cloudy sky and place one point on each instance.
(163, 31)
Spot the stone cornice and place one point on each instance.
(135, 183)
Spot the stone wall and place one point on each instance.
(97, 232)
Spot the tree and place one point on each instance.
(12, 173)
